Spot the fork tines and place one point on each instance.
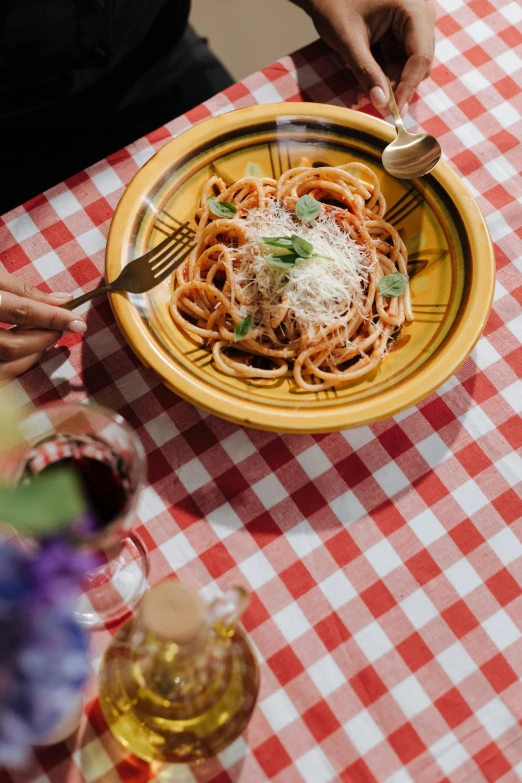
(179, 247)
(171, 226)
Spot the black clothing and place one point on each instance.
(79, 79)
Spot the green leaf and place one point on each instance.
(254, 170)
(243, 328)
(281, 248)
(222, 209)
(283, 262)
(307, 208)
(393, 285)
(48, 503)
(283, 242)
(302, 247)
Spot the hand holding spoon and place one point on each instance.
(410, 154)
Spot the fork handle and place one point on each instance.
(74, 303)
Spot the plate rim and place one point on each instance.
(272, 417)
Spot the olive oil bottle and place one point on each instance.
(179, 681)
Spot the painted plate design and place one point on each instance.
(451, 265)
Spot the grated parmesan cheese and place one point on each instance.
(319, 291)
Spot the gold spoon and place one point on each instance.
(410, 154)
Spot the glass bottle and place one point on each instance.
(180, 680)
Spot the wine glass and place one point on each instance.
(109, 460)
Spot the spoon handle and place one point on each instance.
(392, 105)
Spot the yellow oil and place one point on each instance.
(162, 713)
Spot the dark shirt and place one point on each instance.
(80, 79)
(55, 54)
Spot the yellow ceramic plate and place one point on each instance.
(451, 265)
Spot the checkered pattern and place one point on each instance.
(385, 562)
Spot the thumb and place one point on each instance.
(357, 54)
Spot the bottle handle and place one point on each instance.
(227, 609)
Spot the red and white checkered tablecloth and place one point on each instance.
(386, 561)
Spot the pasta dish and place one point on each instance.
(299, 276)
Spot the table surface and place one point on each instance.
(385, 562)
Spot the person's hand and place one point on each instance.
(39, 320)
(403, 29)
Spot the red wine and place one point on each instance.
(103, 486)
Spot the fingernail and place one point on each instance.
(78, 326)
(377, 97)
(405, 108)
(62, 297)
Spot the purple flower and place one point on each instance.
(43, 652)
(58, 569)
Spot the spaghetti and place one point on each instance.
(278, 287)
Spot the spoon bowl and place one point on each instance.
(410, 154)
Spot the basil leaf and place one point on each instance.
(283, 262)
(222, 209)
(302, 247)
(254, 170)
(243, 328)
(284, 242)
(48, 503)
(307, 209)
(393, 285)
(281, 252)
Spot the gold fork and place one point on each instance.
(149, 270)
